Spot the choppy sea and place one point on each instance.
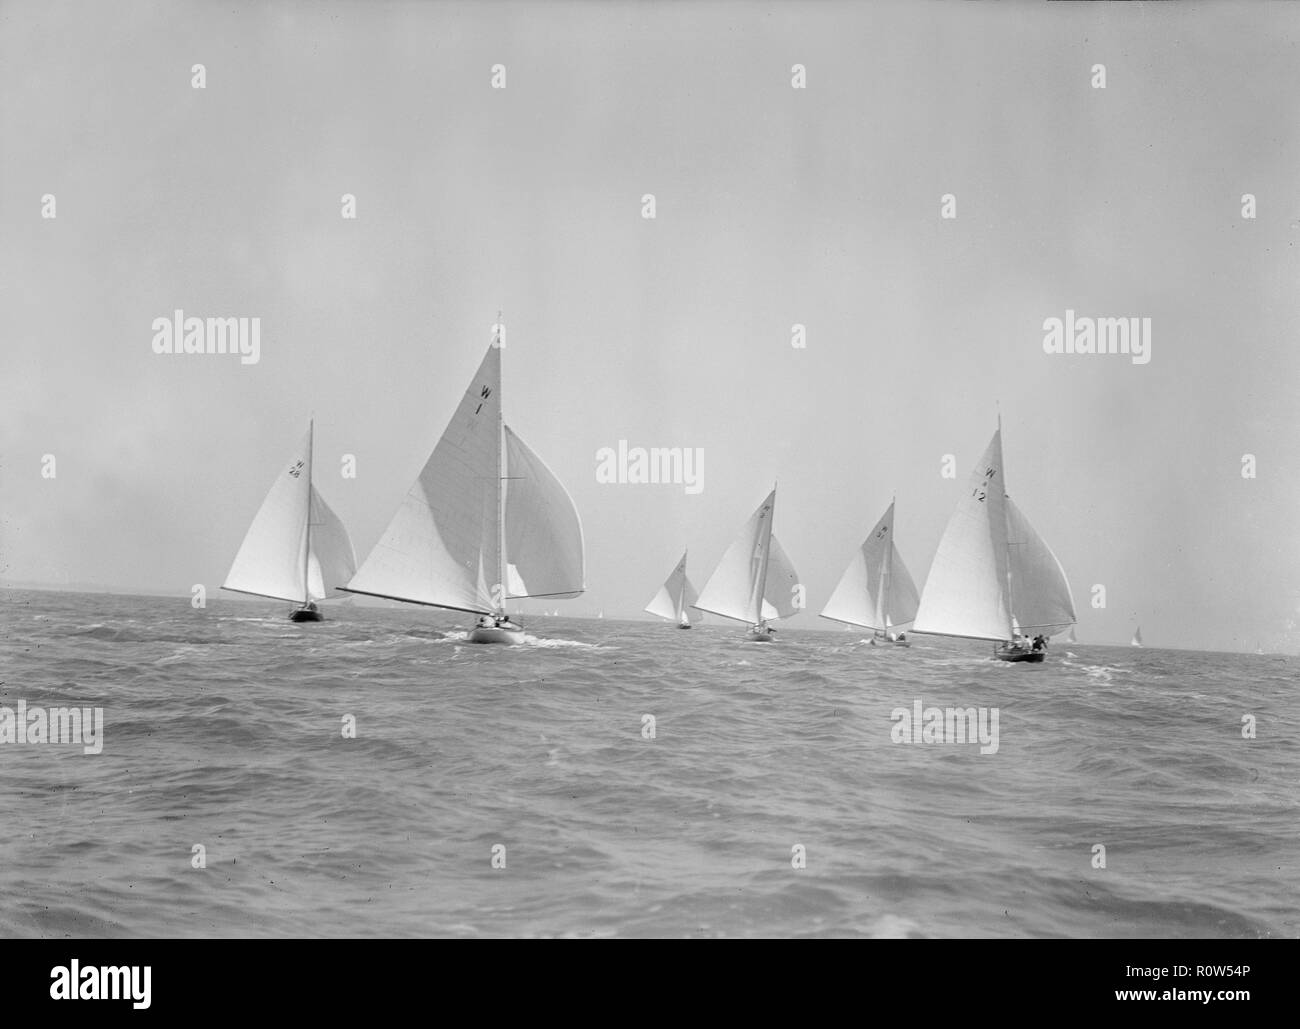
(770, 799)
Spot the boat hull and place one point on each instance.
(509, 634)
(877, 641)
(306, 614)
(763, 635)
(1028, 656)
(686, 627)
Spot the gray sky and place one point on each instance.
(775, 206)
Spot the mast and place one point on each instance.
(681, 599)
(886, 573)
(501, 492)
(766, 550)
(306, 557)
(1002, 466)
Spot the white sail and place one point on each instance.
(686, 600)
(1071, 638)
(543, 534)
(1040, 593)
(272, 560)
(443, 545)
(332, 561)
(876, 590)
(1137, 637)
(755, 581)
(735, 588)
(674, 596)
(966, 591)
(782, 592)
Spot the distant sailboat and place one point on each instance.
(1136, 641)
(1259, 648)
(876, 591)
(993, 576)
(296, 548)
(485, 522)
(754, 582)
(675, 596)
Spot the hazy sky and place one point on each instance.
(775, 206)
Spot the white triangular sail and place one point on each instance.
(686, 600)
(332, 561)
(876, 590)
(966, 591)
(782, 592)
(1137, 637)
(272, 561)
(443, 545)
(735, 590)
(674, 596)
(755, 580)
(1040, 593)
(543, 534)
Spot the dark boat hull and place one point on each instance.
(306, 614)
(504, 631)
(1030, 656)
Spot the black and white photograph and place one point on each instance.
(713, 470)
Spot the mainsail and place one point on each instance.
(674, 596)
(296, 549)
(875, 590)
(966, 591)
(755, 581)
(993, 577)
(482, 497)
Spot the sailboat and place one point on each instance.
(675, 596)
(296, 549)
(1136, 641)
(993, 576)
(1071, 638)
(754, 582)
(484, 523)
(876, 591)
